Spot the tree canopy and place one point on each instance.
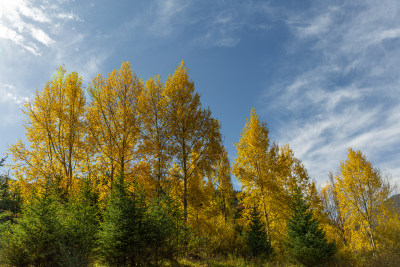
(130, 172)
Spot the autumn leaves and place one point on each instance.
(356, 201)
(269, 174)
(156, 134)
(353, 207)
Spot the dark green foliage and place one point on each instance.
(50, 231)
(36, 237)
(119, 239)
(163, 224)
(81, 223)
(305, 242)
(258, 242)
(10, 200)
(134, 233)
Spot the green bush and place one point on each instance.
(225, 239)
(161, 230)
(36, 237)
(134, 233)
(10, 200)
(305, 242)
(81, 225)
(258, 242)
(50, 232)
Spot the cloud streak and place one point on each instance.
(8, 93)
(18, 21)
(29, 24)
(347, 96)
(35, 38)
(206, 23)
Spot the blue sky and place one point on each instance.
(323, 74)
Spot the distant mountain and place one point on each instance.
(395, 199)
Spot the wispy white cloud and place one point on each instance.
(206, 23)
(318, 25)
(14, 17)
(7, 33)
(225, 27)
(11, 103)
(168, 15)
(35, 38)
(221, 30)
(8, 93)
(27, 9)
(348, 94)
(28, 24)
(68, 16)
(41, 36)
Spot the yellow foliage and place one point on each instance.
(155, 147)
(388, 232)
(335, 222)
(268, 175)
(112, 123)
(159, 136)
(223, 185)
(362, 193)
(55, 129)
(196, 139)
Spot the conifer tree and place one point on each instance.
(10, 199)
(37, 236)
(119, 238)
(133, 233)
(81, 225)
(258, 242)
(162, 225)
(305, 241)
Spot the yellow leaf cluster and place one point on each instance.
(56, 131)
(356, 203)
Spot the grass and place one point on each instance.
(225, 262)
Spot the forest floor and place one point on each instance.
(237, 262)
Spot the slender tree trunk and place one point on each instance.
(266, 218)
(159, 177)
(371, 239)
(185, 176)
(112, 175)
(184, 192)
(265, 213)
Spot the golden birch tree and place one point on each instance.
(336, 225)
(113, 122)
(254, 167)
(155, 135)
(291, 175)
(55, 131)
(224, 188)
(362, 193)
(269, 174)
(195, 135)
